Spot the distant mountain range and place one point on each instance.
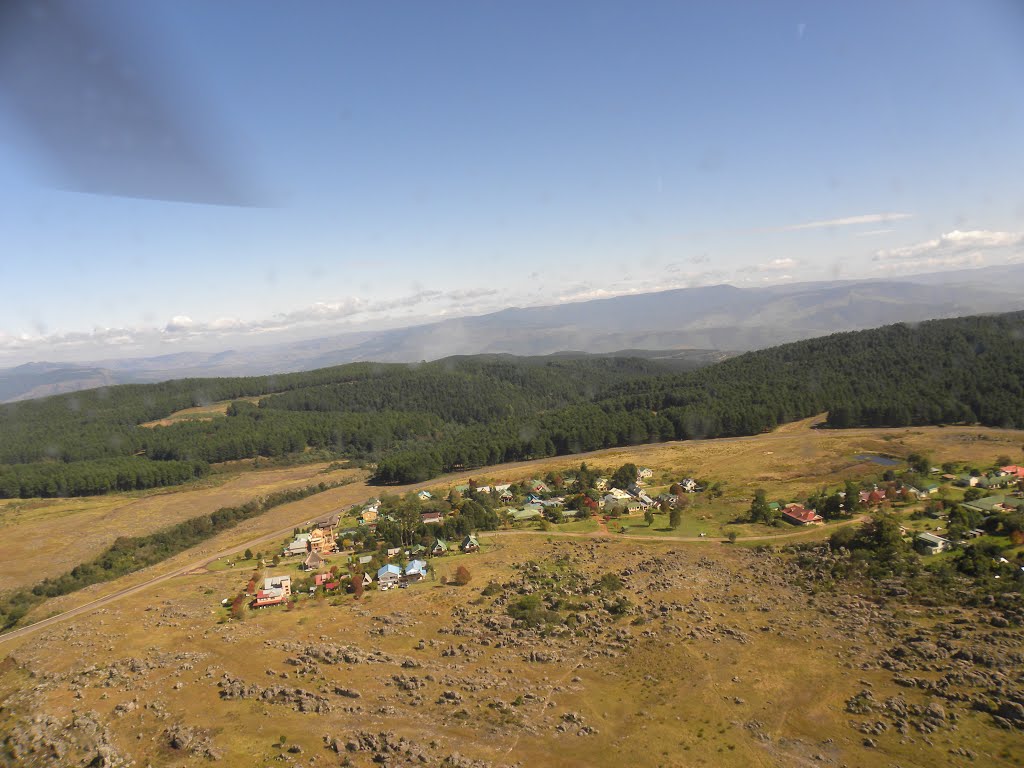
(696, 325)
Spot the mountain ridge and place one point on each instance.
(720, 317)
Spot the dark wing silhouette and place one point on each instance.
(100, 117)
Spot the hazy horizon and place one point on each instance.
(405, 165)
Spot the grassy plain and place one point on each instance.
(47, 537)
(788, 463)
(716, 665)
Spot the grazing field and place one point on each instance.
(703, 657)
(70, 531)
(708, 654)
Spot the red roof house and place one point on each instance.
(796, 514)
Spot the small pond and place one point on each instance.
(885, 461)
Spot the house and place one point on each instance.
(538, 486)
(634, 489)
(440, 547)
(368, 516)
(529, 512)
(365, 559)
(798, 515)
(930, 544)
(417, 550)
(995, 481)
(505, 495)
(688, 484)
(394, 552)
(299, 546)
(470, 544)
(966, 481)
(322, 540)
(991, 505)
(416, 570)
(872, 497)
(313, 561)
(367, 579)
(431, 517)
(425, 495)
(610, 501)
(1014, 471)
(617, 494)
(276, 591)
(645, 501)
(483, 489)
(388, 576)
(644, 473)
(601, 484)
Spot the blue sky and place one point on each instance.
(410, 160)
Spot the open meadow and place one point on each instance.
(701, 657)
(694, 653)
(78, 529)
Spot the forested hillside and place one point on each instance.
(416, 421)
(91, 442)
(945, 371)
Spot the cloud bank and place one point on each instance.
(952, 249)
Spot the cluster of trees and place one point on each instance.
(878, 552)
(87, 478)
(463, 515)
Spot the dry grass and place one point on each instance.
(664, 700)
(788, 463)
(793, 460)
(46, 537)
(199, 413)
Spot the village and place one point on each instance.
(395, 542)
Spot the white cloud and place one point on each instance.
(336, 315)
(848, 221)
(952, 243)
(179, 323)
(933, 263)
(776, 265)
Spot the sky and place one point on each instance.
(265, 171)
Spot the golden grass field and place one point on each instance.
(788, 463)
(745, 675)
(70, 531)
(678, 691)
(199, 413)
